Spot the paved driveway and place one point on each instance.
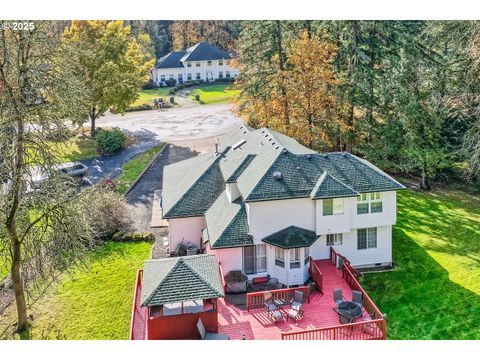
(183, 123)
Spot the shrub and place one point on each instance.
(197, 82)
(123, 236)
(171, 92)
(150, 85)
(110, 141)
(170, 82)
(140, 108)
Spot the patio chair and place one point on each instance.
(338, 296)
(357, 297)
(276, 315)
(343, 319)
(297, 301)
(268, 303)
(295, 314)
(205, 335)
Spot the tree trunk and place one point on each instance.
(93, 117)
(281, 65)
(425, 182)
(18, 286)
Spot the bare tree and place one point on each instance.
(45, 221)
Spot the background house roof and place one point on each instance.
(181, 279)
(171, 60)
(204, 51)
(291, 237)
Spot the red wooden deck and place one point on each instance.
(256, 324)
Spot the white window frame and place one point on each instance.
(334, 239)
(294, 259)
(197, 64)
(209, 63)
(189, 64)
(220, 62)
(227, 74)
(369, 199)
(198, 76)
(220, 74)
(371, 238)
(162, 78)
(189, 77)
(279, 257)
(306, 255)
(337, 206)
(260, 258)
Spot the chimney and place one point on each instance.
(216, 149)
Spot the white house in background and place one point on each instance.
(199, 62)
(264, 204)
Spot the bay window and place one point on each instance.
(307, 256)
(294, 258)
(279, 257)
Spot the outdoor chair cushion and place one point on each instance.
(207, 335)
(260, 280)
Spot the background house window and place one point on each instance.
(261, 258)
(170, 76)
(180, 78)
(197, 64)
(334, 239)
(366, 238)
(294, 258)
(279, 257)
(332, 207)
(227, 74)
(220, 62)
(209, 63)
(189, 64)
(307, 255)
(162, 78)
(189, 76)
(198, 76)
(220, 74)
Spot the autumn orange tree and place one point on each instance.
(299, 97)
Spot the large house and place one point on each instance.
(200, 62)
(266, 205)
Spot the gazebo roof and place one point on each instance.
(291, 237)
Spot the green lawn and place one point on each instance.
(147, 96)
(212, 94)
(76, 148)
(95, 304)
(132, 169)
(434, 292)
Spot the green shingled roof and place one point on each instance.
(301, 173)
(181, 279)
(227, 224)
(291, 237)
(190, 191)
(328, 187)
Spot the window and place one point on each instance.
(332, 207)
(220, 62)
(307, 256)
(198, 76)
(369, 203)
(279, 257)
(366, 238)
(220, 74)
(261, 258)
(180, 78)
(170, 76)
(197, 64)
(334, 239)
(255, 259)
(209, 63)
(227, 74)
(162, 78)
(294, 258)
(189, 64)
(189, 76)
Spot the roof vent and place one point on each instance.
(269, 139)
(309, 156)
(263, 131)
(276, 147)
(244, 132)
(284, 151)
(344, 154)
(278, 175)
(325, 156)
(238, 144)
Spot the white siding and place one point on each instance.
(185, 229)
(332, 224)
(388, 216)
(366, 257)
(268, 217)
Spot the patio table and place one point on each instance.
(350, 310)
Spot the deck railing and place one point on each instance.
(316, 275)
(255, 300)
(222, 277)
(342, 262)
(138, 323)
(364, 330)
